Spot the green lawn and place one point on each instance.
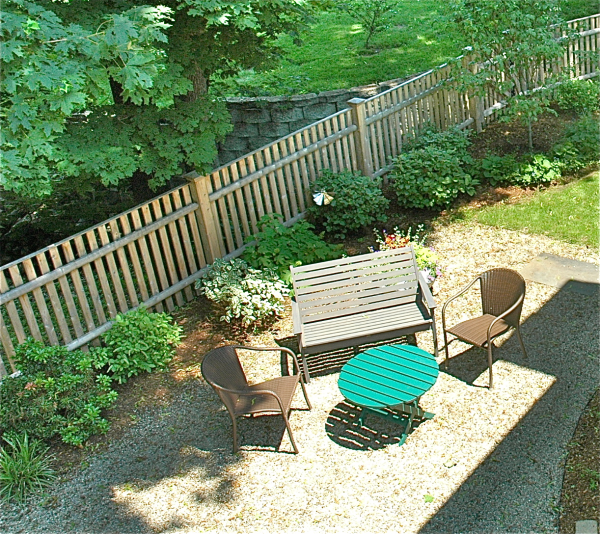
(331, 54)
(569, 212)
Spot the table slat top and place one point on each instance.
(387, 376)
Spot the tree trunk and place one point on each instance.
(530, 135)
(200, 84)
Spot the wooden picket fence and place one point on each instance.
(151, 255)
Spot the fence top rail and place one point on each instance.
(245, 156)
(395, 88)
(89, 229)
(589, 17)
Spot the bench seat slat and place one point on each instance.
(362, 324)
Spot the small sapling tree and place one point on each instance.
(374, 15)
(510, 43)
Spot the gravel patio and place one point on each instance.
(490, 461)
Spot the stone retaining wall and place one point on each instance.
(262, 120)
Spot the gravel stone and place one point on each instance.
(489, 461)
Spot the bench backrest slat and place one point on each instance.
(357, 284)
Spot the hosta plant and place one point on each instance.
(242, 293)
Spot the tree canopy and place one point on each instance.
(107, 90)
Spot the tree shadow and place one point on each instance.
(190, 435)
(513, 489)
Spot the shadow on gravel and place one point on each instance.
(513, 490)
(376, 433)
(327, 363)
(191, 436)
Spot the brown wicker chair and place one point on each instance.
(221, 368)
(502, 295)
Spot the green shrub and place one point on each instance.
(25, 467)
(579, 145)
(278, 246)
(356, 201)
(537, 169)
(431, 172)
(56, 392)
(581, 96)
(497, 169)
(138, 341)
(242, 292)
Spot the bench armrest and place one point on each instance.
(426, 295)
(296, 318)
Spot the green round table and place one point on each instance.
(389, 381)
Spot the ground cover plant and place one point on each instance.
(55, 393)
(25, 467)
(568, 212)
(419, 37)
(138, 341)
(433, 170)
(243, 294)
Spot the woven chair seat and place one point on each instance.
(474, 331)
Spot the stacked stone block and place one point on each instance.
(262, 120)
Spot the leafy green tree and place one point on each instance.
(374, 15)
(510, 41)
(109, 90)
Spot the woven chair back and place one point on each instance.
(500, 289)
(222, 369)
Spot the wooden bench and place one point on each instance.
(361, 299)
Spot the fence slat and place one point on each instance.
(55, 301)
(26, 304)
(175, 243)
(135, 263)
(40, 302)
(113, 270)
(68, 295)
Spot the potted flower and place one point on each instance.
(426, 257)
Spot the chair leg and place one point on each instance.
(287, 425)
(434, 333)
(305, 395)
(305, 367)
(490, 361)
(446, 349)
(235, 441)
(521, 341)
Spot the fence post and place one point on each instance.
(363, 148)
(208, 226)
(475, 101)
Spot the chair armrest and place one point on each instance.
(502, 315)
(272, 349)
(458, 294)
(296, 318)
(426, 295)
(264, 392)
